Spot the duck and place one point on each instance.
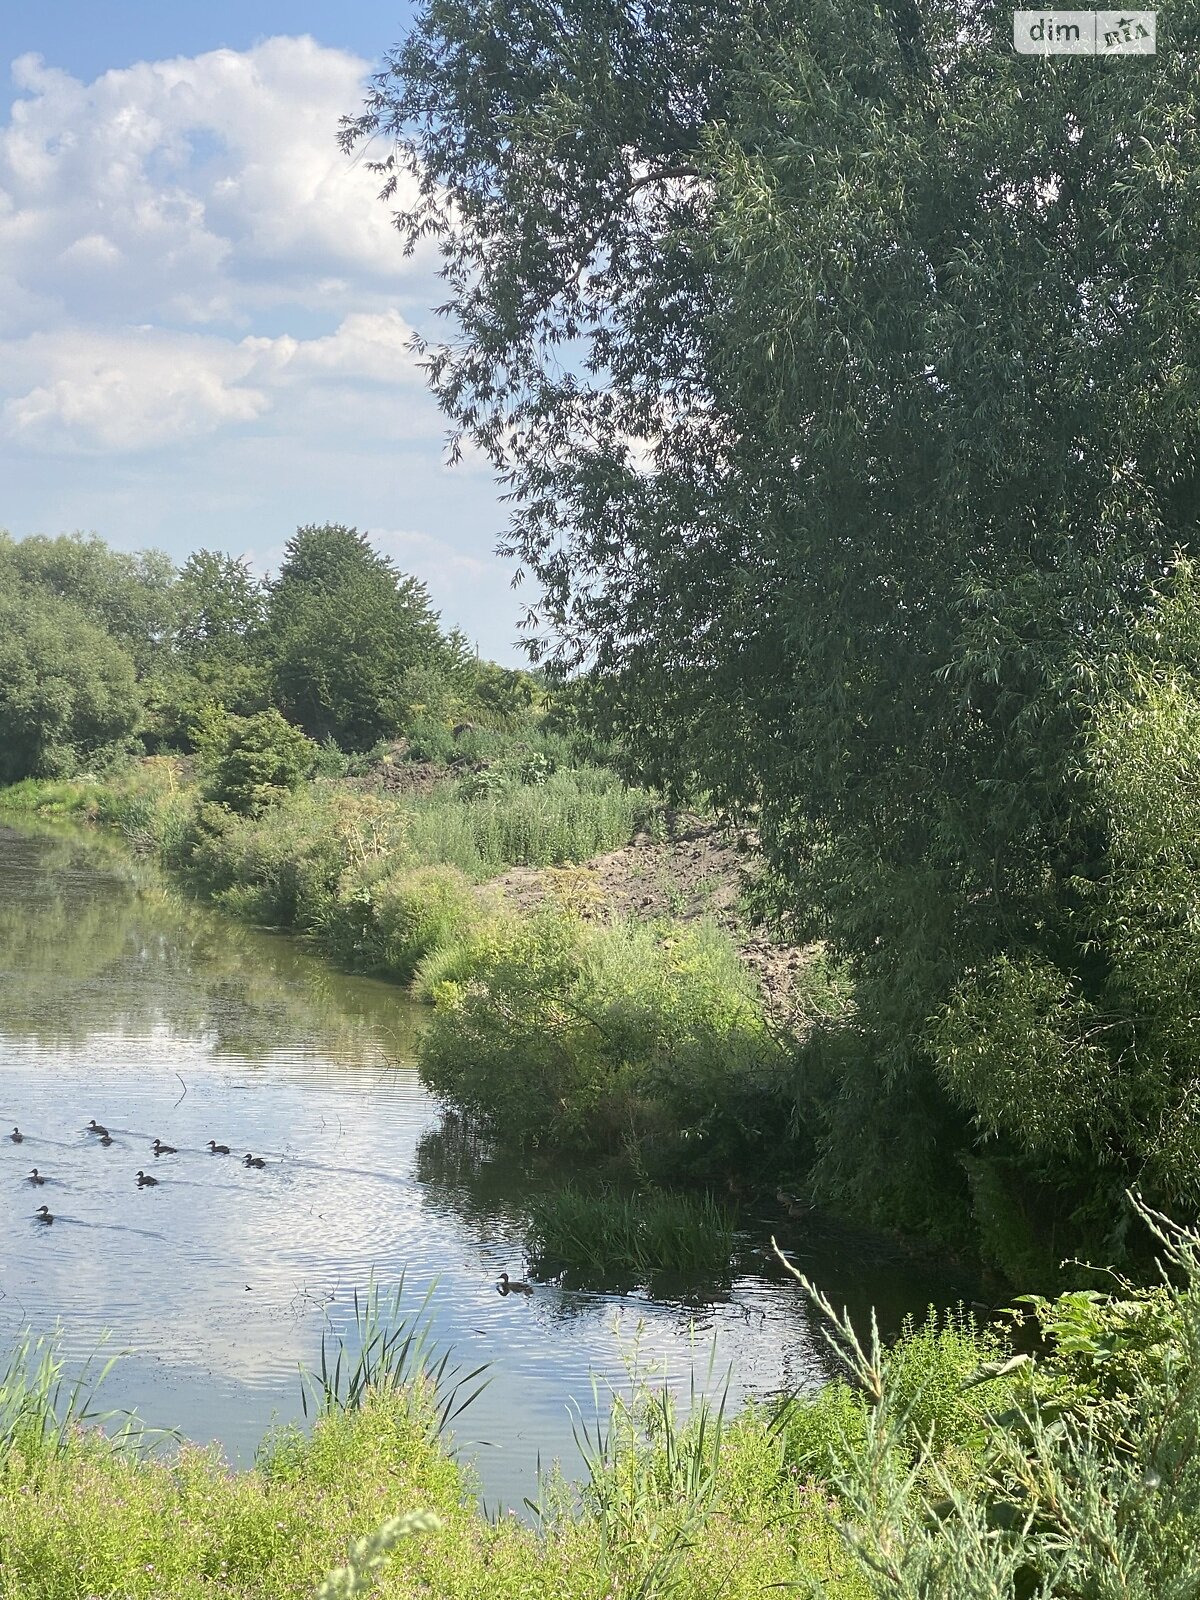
(37, 1177)
(161, 1149)
(506, 1286)
(252, 1161)
(218, 1149)
(144, 1180)
(792, 1204)
(94, 1127)
(106, 1138)
(43, 1214)
(16, 1136)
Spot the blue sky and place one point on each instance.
(205, 311)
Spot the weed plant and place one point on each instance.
(393, 1352)
(599, 1234)
(648, 1041)
(1085, 1478)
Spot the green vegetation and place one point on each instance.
(606, 1234)
(946, 1465)
(855, 540)
(603, 1038)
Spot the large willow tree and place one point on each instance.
(842, 367)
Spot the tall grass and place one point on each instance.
(393, 1352)
(652, 1483)
(38, 1407)
(606, 1232)
(577, 812)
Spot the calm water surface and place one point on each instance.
(158, 1018)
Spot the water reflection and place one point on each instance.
(157, 1018)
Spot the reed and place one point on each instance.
(607, 1231)
(41, 1409)
(652, 1481)
(394, 1351)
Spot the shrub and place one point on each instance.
(260, 759)
(622, 1037)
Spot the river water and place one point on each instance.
(159, 1018)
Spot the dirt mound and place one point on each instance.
(699, 870)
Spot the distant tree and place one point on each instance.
(503, 694)
(130, 596)
(344, 628)
(67, 688)
(220, 607)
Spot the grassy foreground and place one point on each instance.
(945, 1469)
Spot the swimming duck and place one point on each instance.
(161, 1149)
(252, 1161)
(16, 1136)
(218, 1149)
(36, 1177)
(43, 1214)
(144, 1181)
(94, 1127)
(505, 1286)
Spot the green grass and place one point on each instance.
(694, 1509)
(606, 1232)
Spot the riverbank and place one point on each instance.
(945, 1466)
(631, 1012)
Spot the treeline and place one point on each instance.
(104, 653)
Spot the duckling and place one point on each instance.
(43, 1214)
(161, 1149)
(145, 1181)
(252, 1161)
(94, 1127)
(218, 1149)
(507, 1287)
(37, 1177)
(16, 1136)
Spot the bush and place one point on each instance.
(259, 760)
(389, 917)
(621, 1037)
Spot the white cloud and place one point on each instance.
(193, 190)
(145, 388)
(205, 325)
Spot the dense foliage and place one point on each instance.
(344, 628)
(104, 645)
(603, 1038)
(67, 689)
(838, 365)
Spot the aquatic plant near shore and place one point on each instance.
(606, 1232)
(393, 1352)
